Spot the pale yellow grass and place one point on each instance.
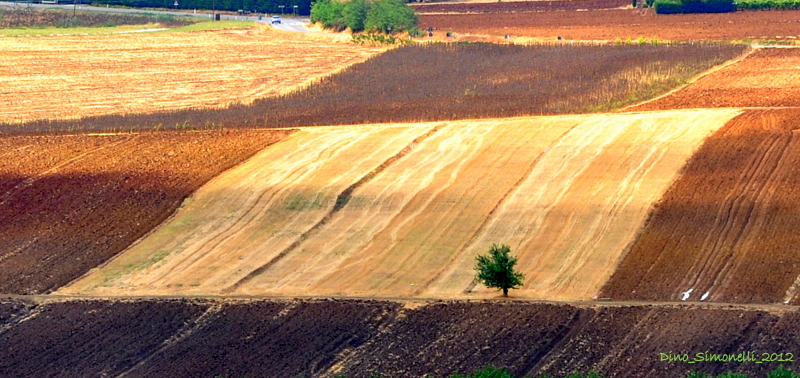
(74, 76)
(568, 193)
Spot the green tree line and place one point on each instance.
(374, 16)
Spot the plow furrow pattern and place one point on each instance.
(727, 224)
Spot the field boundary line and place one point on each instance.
(693, 79)
(500, 300)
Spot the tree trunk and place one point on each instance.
(505, 292)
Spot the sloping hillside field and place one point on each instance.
(728, 229)
(401, 210)
(69, 203)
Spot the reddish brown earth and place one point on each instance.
(728, 227)
(69, 203)
(519, 6)
(768, 77)
(324, 338)
(622, 24)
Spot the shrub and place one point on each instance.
(329, 13)
(767, 4)
(390, 16)
(694, 6)
(383, 16)
(355, 13)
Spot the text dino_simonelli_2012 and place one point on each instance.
(746, 356)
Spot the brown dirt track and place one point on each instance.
(769, 77)
(78, 76)
(68, 203)
(728, 226)
(626, 23)
(325, 338)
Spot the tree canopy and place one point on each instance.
(497, 269)
(374, 16)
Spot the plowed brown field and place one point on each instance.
(401, 211)
(727, 230)
(768, 77)
(609, 25)
(327, 338)
(69, 203)
(75, 76)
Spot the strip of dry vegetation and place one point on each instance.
(19, 17)
(69, 203)
(452, 81)
(727, 229)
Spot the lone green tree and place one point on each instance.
(497, 269)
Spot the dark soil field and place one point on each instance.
(454, 81)
(766, 78)
(323, 338)
(92, 338)
(69, 203)
(519, 6)
(727, 229)
(609, 25)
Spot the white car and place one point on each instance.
(276, 19)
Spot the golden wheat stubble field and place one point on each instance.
(76, 76)
(567, 193)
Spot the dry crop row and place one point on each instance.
(402, 210)
(202, 338)
(727, 230)
(609, 25)
(79, 76)
(767, 78)
(69, 203)
(453, 81)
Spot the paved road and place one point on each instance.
(295, 24)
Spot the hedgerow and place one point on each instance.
(768, 4)
(381, 16)
(694, 6)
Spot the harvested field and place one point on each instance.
(323, 338)
(768, 77)
(69, 203)
(434, 82)
(518, 6)
(727, 230)
(609, 25)
(78, 76)
(401, 211)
